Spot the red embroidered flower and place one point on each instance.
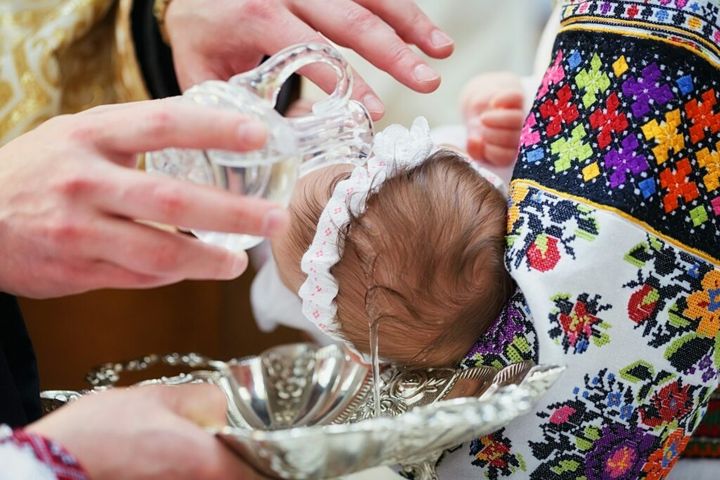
(672, 402)
(608, 120)
(492, 452)
(543, 254)
(561, 111)
(662, 460)
(642, 303)
(578, 324)
(562, 414)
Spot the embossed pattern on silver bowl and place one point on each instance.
(304, 412)
(322, 425)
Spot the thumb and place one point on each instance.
(203, 404)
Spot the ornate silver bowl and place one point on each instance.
(303, 412)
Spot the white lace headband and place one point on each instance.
(395, 149)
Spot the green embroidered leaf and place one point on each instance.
(592, 433)
(565, 466)
(521, 344)
(676, 318)
(633, 255)
(584, 235)
(582, 444)
(603, 339)
(656, 244)
(569, 465)
(678, 344)
(638, 371)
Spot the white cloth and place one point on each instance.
(273, 304)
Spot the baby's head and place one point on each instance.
(425, 258)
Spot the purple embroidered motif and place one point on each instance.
(647, 88)
(500, 334)
(625, 160)
(618, 453)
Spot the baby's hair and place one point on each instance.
(425, 260)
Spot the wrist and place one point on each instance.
(28, 455)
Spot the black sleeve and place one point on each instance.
(19, 384)
(156, 64)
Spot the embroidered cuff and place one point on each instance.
(26, 456)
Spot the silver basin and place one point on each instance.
(303, 412)
(292, 386)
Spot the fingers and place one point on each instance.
(354, 26)
(164, 257)
(502, 118)
(206, 406)
(296, 31)
(154, 125)
(494, 136)
(137, 195)
(233, 467)
(476, 147)
(413, 26)
(500, 156)
(194, 69)
(500, 137)
(510, 99)
(203, 404)
(100, 274)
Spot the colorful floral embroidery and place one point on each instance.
(615, 133)
(618, 208)
(620, 452)
(673, 21)
(661, 461)
(704, 305)
(511, 339)
(493, 452)
(576, 324)
(612, 428)
(547, 230)
(670, 403)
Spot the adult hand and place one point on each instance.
(215, 39)
(492, 105)
(68, 203)
(146, 433)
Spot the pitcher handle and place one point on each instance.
(268, 78)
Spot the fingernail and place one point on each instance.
(373, 104)
(275, 221)
(240, 263)
(439, 39)
(424, 73)
(252, 134)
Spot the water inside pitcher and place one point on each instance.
(338, 130)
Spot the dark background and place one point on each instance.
(73, 334)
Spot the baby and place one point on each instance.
(414, 241)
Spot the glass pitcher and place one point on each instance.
(338, 130)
